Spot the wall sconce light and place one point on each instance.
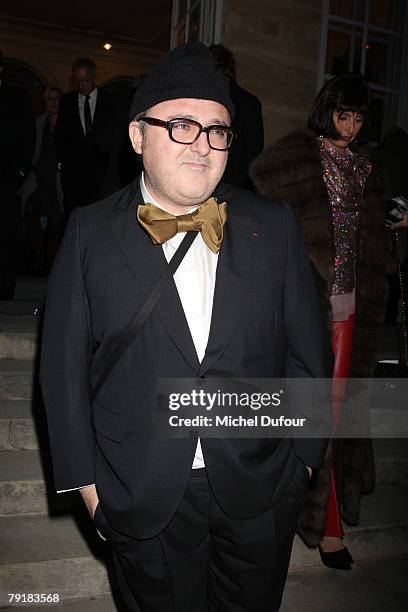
(107, 46)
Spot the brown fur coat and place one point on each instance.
(291, 170)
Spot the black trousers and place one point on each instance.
(204, 561)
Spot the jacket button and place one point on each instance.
(201, 381)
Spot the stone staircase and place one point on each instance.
(47, 541)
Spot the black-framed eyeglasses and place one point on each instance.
(187, 131)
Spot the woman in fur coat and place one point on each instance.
(335, 188)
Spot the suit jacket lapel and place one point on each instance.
(147, 262)
(234, 265)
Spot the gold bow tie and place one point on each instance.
(208, 219)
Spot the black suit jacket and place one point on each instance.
(17, 136)
(248, 125)
(84, 160)
(266, 322)
(124, 164)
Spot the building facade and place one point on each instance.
(284, 49)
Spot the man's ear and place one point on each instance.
(136, 136)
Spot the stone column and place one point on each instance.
(276, 46)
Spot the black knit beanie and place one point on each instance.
(188, 71)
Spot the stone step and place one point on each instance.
(22, 485)
(373, 586)
(63, 555)
(16, 379)
(18, 336)
(382, 532)
(26, 485)
(52, 555)
(17, 428)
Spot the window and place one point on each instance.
(370, 37)
(196, 20)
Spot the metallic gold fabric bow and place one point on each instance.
(208, 219)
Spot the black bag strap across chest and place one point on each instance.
(120, 344)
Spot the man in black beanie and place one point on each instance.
(194, 523)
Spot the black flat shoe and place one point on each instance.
(339, 559)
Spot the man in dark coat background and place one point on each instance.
(194, 523)
(247, 122)
(17, 140)
(123, 165)
(83, 137)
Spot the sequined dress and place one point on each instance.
(345, 175)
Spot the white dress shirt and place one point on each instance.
(93, 96)
(195, 282)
